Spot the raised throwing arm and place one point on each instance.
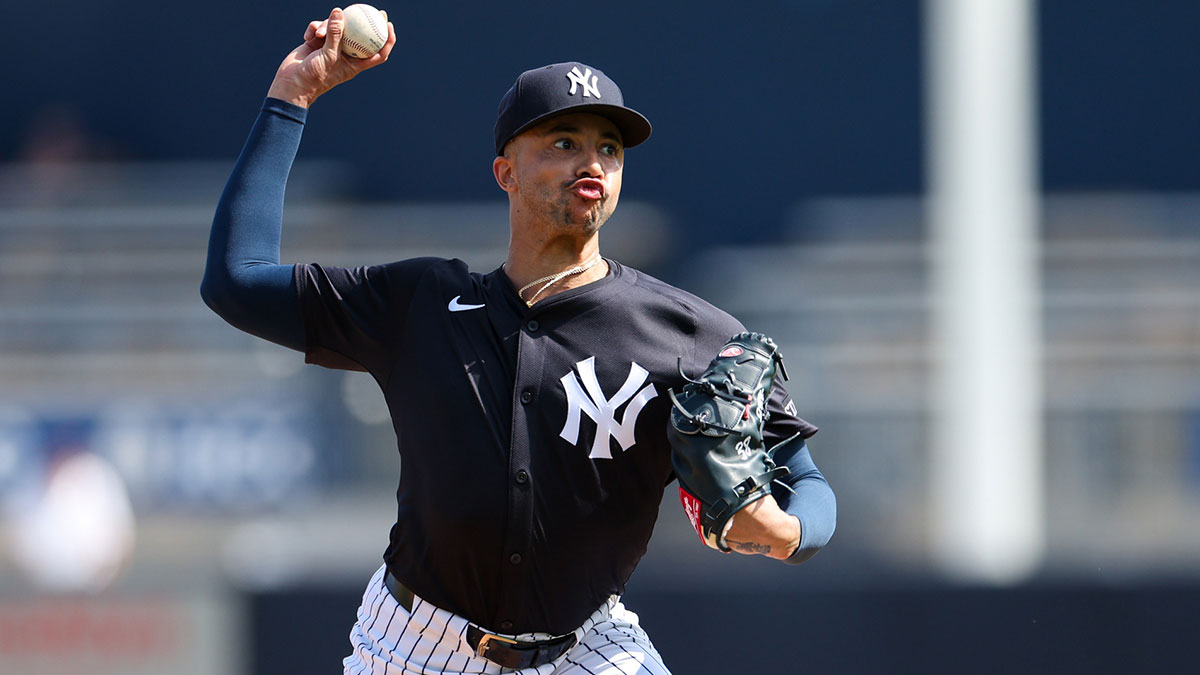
(243, 280)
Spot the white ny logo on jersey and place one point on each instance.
(591, 400)
(586, 78)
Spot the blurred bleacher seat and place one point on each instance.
(99, 308)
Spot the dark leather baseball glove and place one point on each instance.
(716, 435)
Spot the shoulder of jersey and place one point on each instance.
(420, 265)
(698, 307)
(443, 269)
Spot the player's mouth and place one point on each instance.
(588, 188)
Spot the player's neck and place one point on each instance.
(532, 260)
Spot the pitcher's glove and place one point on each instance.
(716, 435)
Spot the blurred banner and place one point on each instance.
(194, 634)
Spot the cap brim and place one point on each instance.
(633, 125)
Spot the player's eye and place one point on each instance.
(564, 144)
(611, 149)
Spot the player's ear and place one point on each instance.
(503, 170)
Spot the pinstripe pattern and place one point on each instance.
(388, 640)
(614, 646)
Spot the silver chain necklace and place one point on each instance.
(554, 279)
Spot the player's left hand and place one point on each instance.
(762, 528)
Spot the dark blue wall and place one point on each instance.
(1060, 629)
(755, 106)
(1120, 91)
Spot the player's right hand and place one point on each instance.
(318, 65)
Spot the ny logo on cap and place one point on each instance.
(577, 78)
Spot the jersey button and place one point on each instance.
(532, 326)
(522, 477)
(515, 558)
(526, 397)
(505, 625)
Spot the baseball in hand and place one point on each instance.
(366, 31)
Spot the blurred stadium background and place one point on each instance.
(176, 496)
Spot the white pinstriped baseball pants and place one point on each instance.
(388, 640)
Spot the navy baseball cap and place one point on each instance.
(563, 88)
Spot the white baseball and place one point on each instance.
(366, 31)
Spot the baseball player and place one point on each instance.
(530, 402)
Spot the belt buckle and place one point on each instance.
(481, 649)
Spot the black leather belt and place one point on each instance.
(498, 649)
(399, 591)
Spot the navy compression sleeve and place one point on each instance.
(243, 280)
(813, 503)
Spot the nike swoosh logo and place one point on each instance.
(456, 307)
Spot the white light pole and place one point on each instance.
(983, 211)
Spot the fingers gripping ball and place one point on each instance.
(716, 435)
(365, 33)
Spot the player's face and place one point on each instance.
(568, 170)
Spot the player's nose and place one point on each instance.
(591, 165)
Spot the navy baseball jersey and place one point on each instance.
(532, 439)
